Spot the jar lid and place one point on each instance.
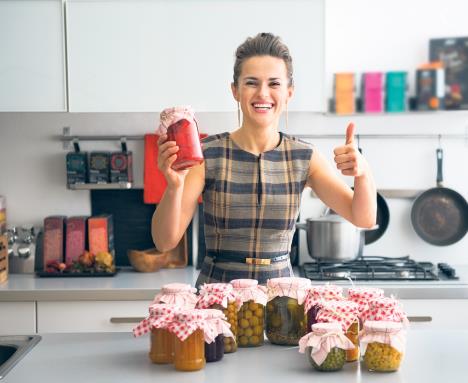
(295, 283)
(188, 315)
(217, 293)
(382, 326)
(323, 328)
(365, 292)
(158, 309)
(244, 283)
(217, 288)
(343, 312)
(174, 288)
(214, 314)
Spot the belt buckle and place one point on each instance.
(257, 261)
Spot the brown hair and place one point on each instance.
(263, 44)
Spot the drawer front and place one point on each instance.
(437, 313)
(90, 316)
(17, 318)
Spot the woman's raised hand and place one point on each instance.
(167, 154)
(348, 159)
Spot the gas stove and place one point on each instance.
(374, 268)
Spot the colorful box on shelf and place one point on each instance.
(430, 86)
(395, 91)
(344, 93)
(372, 92)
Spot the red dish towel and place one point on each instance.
(153, 179)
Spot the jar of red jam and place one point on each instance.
(216, 329)
(180, 126)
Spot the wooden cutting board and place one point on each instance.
(3, 258)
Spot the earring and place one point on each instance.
(286, 116)
(238, 114)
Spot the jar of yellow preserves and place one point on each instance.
(346, 314)
(325, 347)
(180, 294)
(383, 344)
(162, 341)
(221, 296)
(250, 318)
(286, 322)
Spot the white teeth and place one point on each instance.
(262, 106)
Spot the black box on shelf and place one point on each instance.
(430, 88)
(77, 167)
(99, 167)
(453, 53)
(121, 167)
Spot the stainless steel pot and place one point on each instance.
(332, 238)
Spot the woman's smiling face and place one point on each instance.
(263, 90)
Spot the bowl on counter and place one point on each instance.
(147, 261)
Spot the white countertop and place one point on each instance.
(431, 356)
(131, 285)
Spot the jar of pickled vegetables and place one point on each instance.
(162, 341)
(316, 296)
(384, 309)
(325, 347)
(286, 322)
(221, 296)
(250, 318)
(216, 329)
(181, 294)
(189, 345)
(346, 314)
(362, 296)
(383, 344)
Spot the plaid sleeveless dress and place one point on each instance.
(251, 204)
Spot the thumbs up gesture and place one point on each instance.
(348, 159)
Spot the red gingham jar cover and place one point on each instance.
(343, 312)
(181, 294)
(217, 293)
(249, 290)
(385, 332)
(323, 338)
(292, 287)
(160, 315)
(216, 324)
(384, 309)
(362, 295)
(319, 294)
(186, 322)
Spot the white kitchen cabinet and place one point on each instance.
(17, 318)
(137, 55)
(89, 316)
(446, 313)
(32, 64)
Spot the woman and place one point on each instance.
(252, 178)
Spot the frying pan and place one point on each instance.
(440, 215)
(383, 217)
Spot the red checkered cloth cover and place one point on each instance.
(292, 287)
(249, 290)
(362, 295)
(217, 293)
(181, 294)
(319, 294)
(186, 322)
(216, 324)
(385, 309)
(160, 315)
(343, 312)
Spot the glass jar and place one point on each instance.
(384, 344)
(353, 335)
(161, 346)
(286, 322)
(189, 354)
(216, 330)
(180, 294)
(215, 351)
(316, 296)
(230, 344)
(334, 361)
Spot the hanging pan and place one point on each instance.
(440, 215)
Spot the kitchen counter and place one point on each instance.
(431, 356)
(131, 285)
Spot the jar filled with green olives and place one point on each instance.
(346, 314)
(221, 296)
(250, 317)
(383, 344)
(325, 347)
(286, 321)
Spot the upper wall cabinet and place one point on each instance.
(32, 64)
(136, 55)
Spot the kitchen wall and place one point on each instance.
(360, 35)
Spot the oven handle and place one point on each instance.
(420, 318)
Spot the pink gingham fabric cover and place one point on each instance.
(362, 295)
(343, 312)
(292, 287)
(185, 322)
(216, 324)
(160, 315)
(322, 339)
(385, 309)
(322, 293)
(249, 290)
(385, 332)
(170, 116)
(181, 294)
(217, 293)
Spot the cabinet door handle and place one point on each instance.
(126, 319)
(420, 318)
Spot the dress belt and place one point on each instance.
(220, 257)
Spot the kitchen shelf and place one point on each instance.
(108, 186)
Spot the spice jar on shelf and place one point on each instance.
(286, 322)
(188, 326)
(326, 346)
(362, 296)
(180, 294)
(216, 329)
(383, 344)
(250, 318)
(385, 309)
(346, 314)
(162, 341)
(222, 296)
(316, 296)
